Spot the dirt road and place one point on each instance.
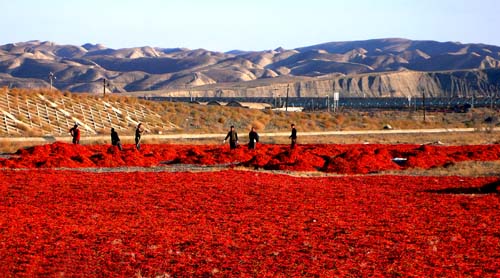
(221, 136)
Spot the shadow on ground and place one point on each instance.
(485, 189)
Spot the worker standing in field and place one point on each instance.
(233, 138)
(75, 133)
(293, 137)
(138, 133)
(253, 138)
(115, 139)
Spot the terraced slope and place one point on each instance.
(53, 113)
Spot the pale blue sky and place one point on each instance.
(223, 25)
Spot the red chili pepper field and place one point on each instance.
(93, 211)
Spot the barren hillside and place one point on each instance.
(382, 67)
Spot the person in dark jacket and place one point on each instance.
(138, 133)
(293, 137)
(115, 140)
(253, 138)
(75, 133)
(233, 138)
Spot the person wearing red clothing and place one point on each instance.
(75, 133)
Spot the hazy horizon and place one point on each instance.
(223, 25)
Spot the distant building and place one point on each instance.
(290, 109)
(217, 103)
(250, 105)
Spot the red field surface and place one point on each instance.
(343, 159)
(242, 223)
(67, 223)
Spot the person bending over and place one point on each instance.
(253, 138)
(115, 139)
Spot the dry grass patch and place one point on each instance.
(446, 138)
(465, 168)
(11, 147)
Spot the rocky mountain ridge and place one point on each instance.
(382, 67)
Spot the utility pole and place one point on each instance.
(409, 102)
(472, 106)
(336, 97)
(105, 84)
(52, 77)
(275, 98)
(327, 103)
(423, 103)
(493, 92)
(491, 101)
(286, 104)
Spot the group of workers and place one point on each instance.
(115, 139)
(232, 135)
(253, 138)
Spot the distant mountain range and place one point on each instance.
(82, 68)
